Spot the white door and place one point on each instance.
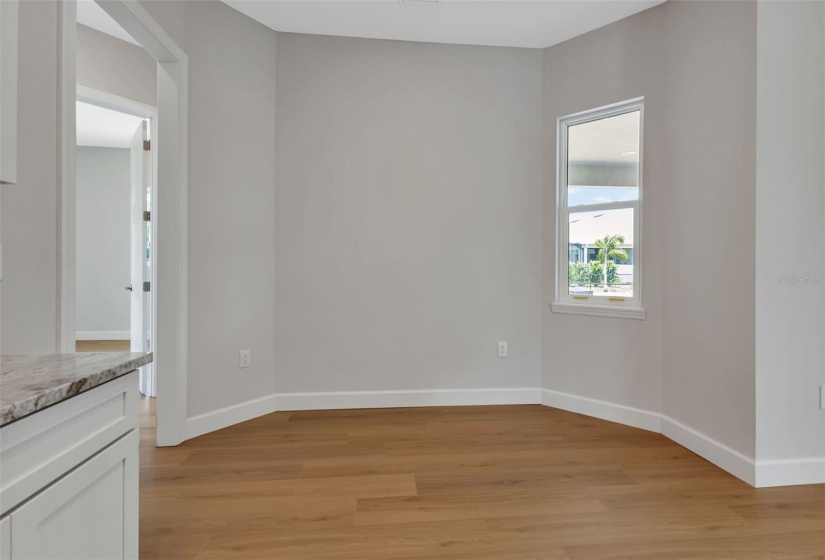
(141, 301)
(89, 514)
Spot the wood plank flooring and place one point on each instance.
(102, 346)
(463, 483)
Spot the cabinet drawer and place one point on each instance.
(38, 449)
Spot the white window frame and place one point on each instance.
(628, 307)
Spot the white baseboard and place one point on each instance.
(759, 474)
(717, 453)
(727, 458)
(103, 335)
(211, 421)
(636, 417)
(229, 416)
(789, 472)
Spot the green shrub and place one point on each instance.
(591, 273)
(596, 273)
(612, 273)
(577, 273)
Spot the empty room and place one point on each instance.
(412, 279)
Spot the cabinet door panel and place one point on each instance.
(89, 514)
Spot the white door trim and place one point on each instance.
(66, 196)
(115, 102)
(171, 220)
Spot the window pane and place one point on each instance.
(591, 236)
(603, 160)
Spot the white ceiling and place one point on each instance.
(508, 23)
(104, 128)
(92, 15)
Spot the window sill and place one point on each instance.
(599, 310)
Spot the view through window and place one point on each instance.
(599, 194)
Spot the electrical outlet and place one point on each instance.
(502, 349)
(822, 397)
(245, 359)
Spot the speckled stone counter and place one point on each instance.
(29, 383)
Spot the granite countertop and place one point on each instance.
(29, 383)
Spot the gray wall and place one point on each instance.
(232, 123)
(231, 205)
(231, 195)
(103, 239)
(29, 226)
(693, 358)
(790, 218)
(615, 360)
(30, 207)
(115, 66)
(709, 218)
(407, 215)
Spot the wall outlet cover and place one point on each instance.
(502, 349)
(245, 359)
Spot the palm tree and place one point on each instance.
(608, 248)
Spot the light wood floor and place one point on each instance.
(102, 346)
(470, 483)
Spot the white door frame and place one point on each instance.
(117, 103)
(170, 204)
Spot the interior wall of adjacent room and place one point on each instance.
(790, 211)
(407, 215)
(614, 360)
(709, 220)
(103, 232)
(29, 311)
(112, 65)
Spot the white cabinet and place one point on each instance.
(69, 478)
(8, 91)
(87, 515)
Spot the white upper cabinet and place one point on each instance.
(8, 91)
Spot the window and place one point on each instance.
(599, 212)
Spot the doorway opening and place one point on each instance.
(114, 188)
(167, 254)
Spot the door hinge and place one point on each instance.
(146, 286)
(147, 215)
(147, 145)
